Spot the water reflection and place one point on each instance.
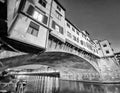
(78, 87)
(45, 84)
(41, 84)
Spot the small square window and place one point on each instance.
(81, 42)
(57, 27)
(107, 52)
(77, 39)
(77, 32)
(104, 45)
(74, 38)
(30, 10)
(59, 8)
(53, 24)
(73, 29)
(61, 30)
(59, 16)
(33, 29)
(68, 25)
(69, 34)
(43, 2)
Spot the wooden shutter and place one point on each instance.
(53, 24)
(61, 30)
(30, 10)
(45, 19)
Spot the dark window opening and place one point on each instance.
(74, 38)
(69, 34)
(104, 45)
(57, 27)
(59, 8)
(61, 30)
(33, 29)
(68, 25)
(77, 39)
(59, 16)
(77, 32)
(81, 42)
(107, 52)
(43, 2)
(45, 19)
(30, 10)
(73, 29)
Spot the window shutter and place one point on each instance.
(61, 30)
(53, 24)
(45, 19)
(35, 26)
(81, 42)
(30, 10)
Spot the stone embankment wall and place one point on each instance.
(109, 69)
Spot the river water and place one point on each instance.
(45, 84)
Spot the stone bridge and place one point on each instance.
(59, 50)
(56, 47)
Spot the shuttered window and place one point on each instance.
(37, 15)
(33, 29)
(78, 39)
(69, 34)
(74, 38)
(30, 10)
(59, 8)
(43, 2)
(68, 25)
(53, 24)
(58, 15)
(57, 27)
(61, 30)
(107, 52)
(81, 42)
(45, 19)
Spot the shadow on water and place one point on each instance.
(46, 84)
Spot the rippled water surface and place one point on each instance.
(44, 84)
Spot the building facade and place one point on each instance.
(31, 22)
(106, 48)
(80, 39)
(28, 21)
(57, 20)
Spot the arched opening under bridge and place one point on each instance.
(52, 59)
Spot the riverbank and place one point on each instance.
(91, 81)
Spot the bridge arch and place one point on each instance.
(55, 46)
(73, 59)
